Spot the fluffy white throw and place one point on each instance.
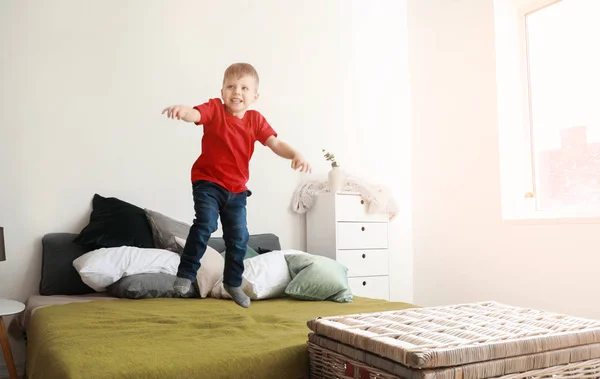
(378, 198)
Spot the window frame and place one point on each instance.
(519, 189)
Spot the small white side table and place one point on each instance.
(7, 308)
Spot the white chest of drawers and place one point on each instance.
(339, 227)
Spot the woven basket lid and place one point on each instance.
(458, 334)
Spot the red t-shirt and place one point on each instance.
(228, 145)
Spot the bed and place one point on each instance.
(96, 336)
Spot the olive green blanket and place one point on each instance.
(178, 338)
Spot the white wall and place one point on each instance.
(463, 251)
(83, 84)
(377, 141)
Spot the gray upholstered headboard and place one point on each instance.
(59, 251)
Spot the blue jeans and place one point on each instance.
(210, 201)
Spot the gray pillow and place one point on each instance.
(165, 229)
(146, 286)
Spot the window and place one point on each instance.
(549, 107)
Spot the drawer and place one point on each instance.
(362, 235)
(375, 287)
(354, 208)
(364, 262)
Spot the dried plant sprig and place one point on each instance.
(330, 158)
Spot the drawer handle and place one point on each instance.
(364, 283)
(362, 228)
(364, 255)
(362, 201)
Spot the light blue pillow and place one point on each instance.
(250, 253)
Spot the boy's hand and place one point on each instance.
(299, 163)
(286, 151)
(182, 112)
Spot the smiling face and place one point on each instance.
(239, 93)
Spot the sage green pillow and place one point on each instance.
(344, 296)
(250, 253)
(315, 277)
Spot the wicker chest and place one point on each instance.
(464, 341)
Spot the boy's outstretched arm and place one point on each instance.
(286, 151)
(182, 112)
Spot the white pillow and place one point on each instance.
(103, 267)
(265, 276)
(268, 275)
(211, 269)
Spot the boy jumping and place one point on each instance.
(220, 174)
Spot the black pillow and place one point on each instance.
(59, 277)
(114, 223)
(263, 251)
(266, 241)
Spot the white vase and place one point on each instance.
(336, 179)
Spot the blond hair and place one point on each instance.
(237, 70)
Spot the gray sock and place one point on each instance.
(181, 286)
(238, 295)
